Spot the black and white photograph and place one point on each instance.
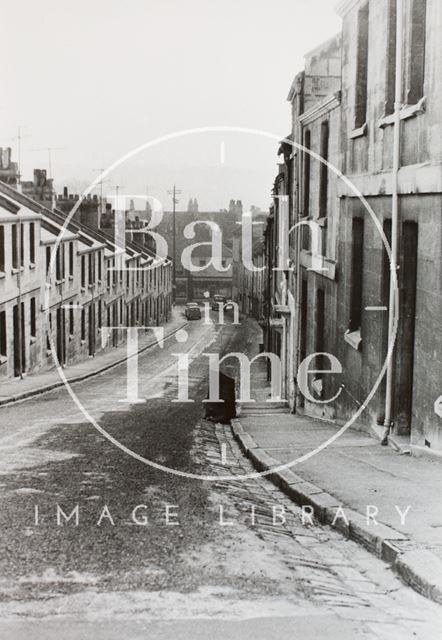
(221, 320)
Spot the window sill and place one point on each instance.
(90, 286)
(319, 264)
(359, 133)
(317, 386)
(353, 338)
(438, 407)
(82, 289)
(70, 278)
(3, 359)
(32, 265)
(14, 271)
(33, 339)
(408, 111)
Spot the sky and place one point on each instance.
(94, 80)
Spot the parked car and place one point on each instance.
(192, 311)
(217, 300)
(228, 306)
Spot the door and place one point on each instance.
(17, 342)
(61, 336)
(303, 332)
(403, 400)
(91, 318)
(115, 325)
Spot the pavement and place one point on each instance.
(349, 480)
(42, 381)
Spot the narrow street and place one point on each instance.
(193, 561)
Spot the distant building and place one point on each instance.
(87, 212)
(40, 189)
(194, 285)
(9, 171)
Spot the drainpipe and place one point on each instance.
(394, 217)
(21, 336)
(297, 180)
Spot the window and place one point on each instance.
(320, 331)
(22, 245)
(48, 260)
(391, 58)
(32, 243)
(71, 321)
(323, 178)
(48, 332)
(71, 259)
(3, 335)
(58, 264)
(100, 269)
(91, 268)
(306, 195)
(83, 271)
(33, 319)
(356, 274)
(2, 248)
(99, 314)
(83, 324)
(362, 67)
(416, 65)
(14, 246)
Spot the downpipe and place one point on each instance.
(392, 310)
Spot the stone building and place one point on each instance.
(332, 295)
(369, 67)
(88, 211)
(40, 189)
(68, 288)
(20, 289)
(9, 172)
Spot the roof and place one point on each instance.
(87, 235)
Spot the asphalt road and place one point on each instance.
(189, 563)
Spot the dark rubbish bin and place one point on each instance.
(222, 411)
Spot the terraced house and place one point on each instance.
(69, 290)
(369, 104)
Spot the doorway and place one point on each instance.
(91, 322)
(61, 337)
(19, 339)
(403, 400)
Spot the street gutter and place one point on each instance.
(418, 568)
